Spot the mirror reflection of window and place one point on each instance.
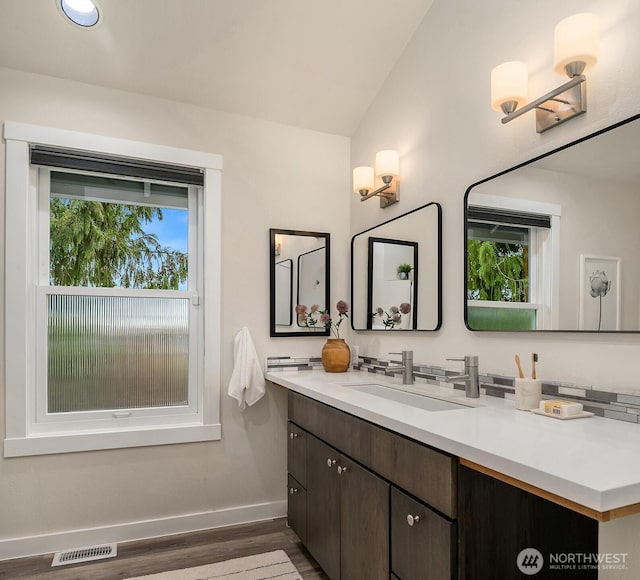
(508, 264)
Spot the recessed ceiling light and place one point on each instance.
(83, 13)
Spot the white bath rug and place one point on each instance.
(270, 565)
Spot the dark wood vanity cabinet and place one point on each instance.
(423, 543)
(297, 480)
(373, 504)
(362, 482)
(497, 521)
(347, 515)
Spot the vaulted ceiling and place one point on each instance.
(313, 64)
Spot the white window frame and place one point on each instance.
(544, 259)
(27, 435)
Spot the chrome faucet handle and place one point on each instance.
(407, 366)
(471, 376)
(468, 360)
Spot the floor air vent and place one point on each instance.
(85, 554)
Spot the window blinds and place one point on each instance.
(112, 164)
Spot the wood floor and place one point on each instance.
(174, 552)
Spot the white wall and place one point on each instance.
(434, 108)
(271, 178)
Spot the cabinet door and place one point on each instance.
(297, 508)
(364, 516)
(297, 453)
(498, 521)
(423, 543)
(323, 506)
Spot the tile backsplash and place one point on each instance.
(618, 406)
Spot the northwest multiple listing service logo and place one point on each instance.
(530, 561)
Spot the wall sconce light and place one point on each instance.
(576, 47)
(387, 168)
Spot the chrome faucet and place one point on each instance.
(406, 367)
(470, 378)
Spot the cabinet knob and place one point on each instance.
(331, 462)
(412, 520)
(292, 435)
(341, 469)
(293, 490)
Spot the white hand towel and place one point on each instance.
(247, 383)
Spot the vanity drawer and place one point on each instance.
(297, 453)
(428, 474)
(423, 543)
(424, 472)
(323, 421)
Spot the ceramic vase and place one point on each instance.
(336, 355)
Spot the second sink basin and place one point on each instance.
(399, 396)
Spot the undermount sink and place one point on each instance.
(406, 398)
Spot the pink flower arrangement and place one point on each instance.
(314, 318)
(394, 316)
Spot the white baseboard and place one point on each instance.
(73, 539)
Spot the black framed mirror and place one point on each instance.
(299, 274)
(387, 263)
(551, 244)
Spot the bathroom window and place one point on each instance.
(118, 289)
(511, 259)
(116, 273)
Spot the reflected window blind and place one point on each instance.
(503, 216)
(114, 165)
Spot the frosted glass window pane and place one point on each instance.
(113, 352)
(480, 318)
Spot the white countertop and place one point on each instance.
(592, 461)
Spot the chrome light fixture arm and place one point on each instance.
(386, 179)
(562, 103)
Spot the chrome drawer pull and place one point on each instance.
(331, 462)
(412, 520)
(341, 470)
(292, 435)
(293, 490)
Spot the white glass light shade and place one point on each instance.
(363, 179)
(387, 163)
(577, 39)
(509, 82)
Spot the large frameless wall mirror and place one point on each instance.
(552, 244)
(396, 273)
(299, 274)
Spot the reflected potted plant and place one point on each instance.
(403, 271)
(336, 354)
